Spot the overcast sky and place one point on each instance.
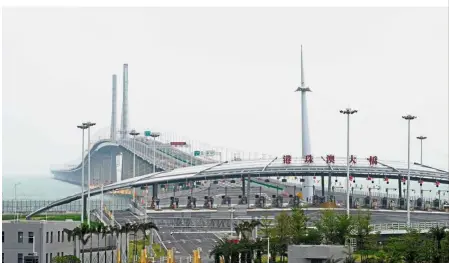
(226, 77)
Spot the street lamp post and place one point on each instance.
(134, 134)
(154, 135)
(82, 127)
(88, 125)
(421, 138)
(408, 118)
(347, 111)
(15, 201)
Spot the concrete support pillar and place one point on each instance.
(154, 190)
(248, 192)
(243, 186)
(322, 186)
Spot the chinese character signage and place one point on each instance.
(353, 160)
(373, 160)
(309, 158)
(330, 158)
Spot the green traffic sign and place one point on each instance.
(147, 133)
(196, 153)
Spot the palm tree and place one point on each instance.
(105, 231)
(438, 233)
(144, 227)
(117, 231)
(98, 229)
(126, 228)
(72, 234)
(135, 228)
(84, 229)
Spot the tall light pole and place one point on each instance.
(82, 127)
(421, 138)
(15, 201)
(88, 125)
(349, 112)
(154, 135)
(134, 134)
(408, 118)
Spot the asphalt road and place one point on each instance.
(185, 243)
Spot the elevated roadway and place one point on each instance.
(261, 168)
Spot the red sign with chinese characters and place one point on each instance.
(287, 159)
(309, 158)
(353, 160)
(437, 184)
(373, 160)
(330, 158)
(369, 178)
(421, 182)
(404, 180)
(351, 178)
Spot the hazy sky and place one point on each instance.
(226, 76)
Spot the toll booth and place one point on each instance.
(402, 204)
(225, 200)
(243, 200)
(294, 201)
(367, 201)
(31, 259)
(208, 202)
(384, 202)
(277, 201)
(191, 202)
(436, 203)
(419, 203)
(155, 203)
(260, 201)
(174, 202)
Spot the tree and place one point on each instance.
(105, 231)
(335, 228)
(125, 229)
(362, 232)
(246, 228)
(298, 226)
(71, 234)
(438, 233)
(282, 233)
(82, 232)
(65, 259)
(144, 227)
(405, 248)
(266, 227)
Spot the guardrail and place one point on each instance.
(404, 226)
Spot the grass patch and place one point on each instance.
(54, 217)
(158, 251)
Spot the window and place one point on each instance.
(62, 236)
(46, 239)
(59, 236)
(57, 254)
(3, 257)
(30, 237)
(46, 257)
(62, 254)
(51, 237)
(20, 237)
(20, 258)
(51, 256)
(3, 236)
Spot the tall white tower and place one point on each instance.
(308, 183)
(124, 128)
(114, 108)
